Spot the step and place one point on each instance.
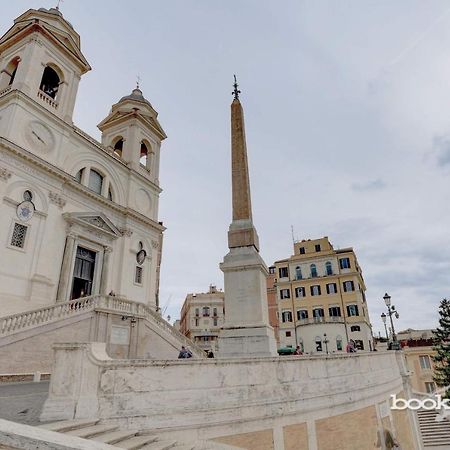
(67, 425)
(114, 437)
(183, 447)
(160, 445)
(92, 431)
(136, 442)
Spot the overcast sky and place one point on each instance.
(347, 108)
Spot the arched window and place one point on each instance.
(205, 311)
(144, 154)
(50, 82)
(79, 175)
(8, 74)
(329, 268)
(95, 181)
(313, 270)
(118, 147)
(298, 273)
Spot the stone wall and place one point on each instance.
(315, 403)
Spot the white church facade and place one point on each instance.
(78, 217)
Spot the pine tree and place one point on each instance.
(442, 348)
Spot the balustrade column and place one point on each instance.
(64, 278)
(105, 270)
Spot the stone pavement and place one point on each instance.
(22, 402)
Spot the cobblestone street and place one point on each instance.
(22, 402)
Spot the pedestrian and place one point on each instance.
(350, 348)
(184, 353)
(298, 351)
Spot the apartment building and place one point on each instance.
(417, 346)
(202, 316)
(321, 299)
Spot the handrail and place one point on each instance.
(46, 314)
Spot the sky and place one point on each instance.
(347, 113)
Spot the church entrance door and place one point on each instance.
(83, 273)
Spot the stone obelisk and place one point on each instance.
(246, 331)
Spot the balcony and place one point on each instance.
(47, 99)
(317, 320)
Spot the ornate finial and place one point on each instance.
(57, 5)
(236, 92)
(138, 81)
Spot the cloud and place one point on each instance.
(441, 147)
(370, 185)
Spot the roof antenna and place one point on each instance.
(138, 81)
(292, 232)
(57, 5)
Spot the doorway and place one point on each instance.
(83, 273)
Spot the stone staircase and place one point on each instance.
(435, 434)
(130, 440)
(11, 327)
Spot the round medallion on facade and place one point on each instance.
(140, 256)
(143, 201)
(25, 211)
(39, 136)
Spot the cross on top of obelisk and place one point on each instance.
(236, 92)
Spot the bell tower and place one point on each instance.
(133, 133)
(40, 57)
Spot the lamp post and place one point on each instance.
(392, 311)
(325, 341)
(383, 318)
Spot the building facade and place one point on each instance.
(79, 217)
(272, 303)
(417, 346)
(202, 316)
(321, 299)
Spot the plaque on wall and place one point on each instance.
(119, 335)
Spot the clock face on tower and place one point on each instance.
(39, 137)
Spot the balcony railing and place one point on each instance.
(5, 90)
(316, 320)
(47, 99)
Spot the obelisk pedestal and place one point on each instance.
(246, 331)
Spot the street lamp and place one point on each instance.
(383, 318)
(325, 341)
(392, 311)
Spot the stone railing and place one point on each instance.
(5, 91)
(230, 395)
(29, 319)
(316, 320)
(47, 99)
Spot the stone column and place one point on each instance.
(105, 270)
(64, 278)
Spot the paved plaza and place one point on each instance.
(22, 402)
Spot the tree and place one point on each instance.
(442, 348)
